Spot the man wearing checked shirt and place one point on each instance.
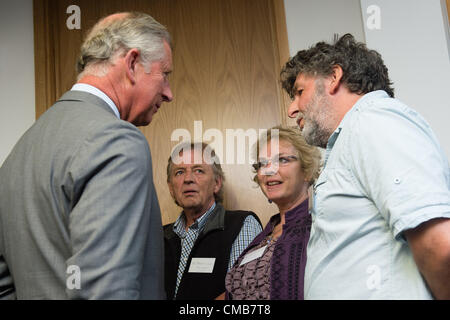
(204, 242)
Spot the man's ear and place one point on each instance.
(131, 60)
(218, 185)
(172, 193)
(170, 189)
(335, 79)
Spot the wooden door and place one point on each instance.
(448, 9)
(227, 59)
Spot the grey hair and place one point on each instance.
(110, 38)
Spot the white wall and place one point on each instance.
(17, 109)
(414, 42)
(310, 21)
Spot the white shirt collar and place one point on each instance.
(97, 92)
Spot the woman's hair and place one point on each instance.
(110, 38)
(309, 156)
(363, 69)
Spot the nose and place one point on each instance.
(293, 109)
(188, 177)
(167, 94)
(270, 168)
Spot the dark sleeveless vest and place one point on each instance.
(214, 241)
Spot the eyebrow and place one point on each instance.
(295, 88)
(278, 155)
(183, 167)
(198, 166)
(297, 85)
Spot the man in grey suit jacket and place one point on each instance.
(79, 215)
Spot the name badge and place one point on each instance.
(202, 265)
(253, 255)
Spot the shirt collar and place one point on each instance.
(96, 92)
(180, 225)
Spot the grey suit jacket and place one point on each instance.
(79, 215)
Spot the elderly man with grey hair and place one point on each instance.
(205, 241)
(79, 215)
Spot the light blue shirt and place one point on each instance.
(384, 173)
(97, 92)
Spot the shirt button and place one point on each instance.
(397, 180)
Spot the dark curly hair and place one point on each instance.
(363, 69)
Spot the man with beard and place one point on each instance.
(382, 202)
